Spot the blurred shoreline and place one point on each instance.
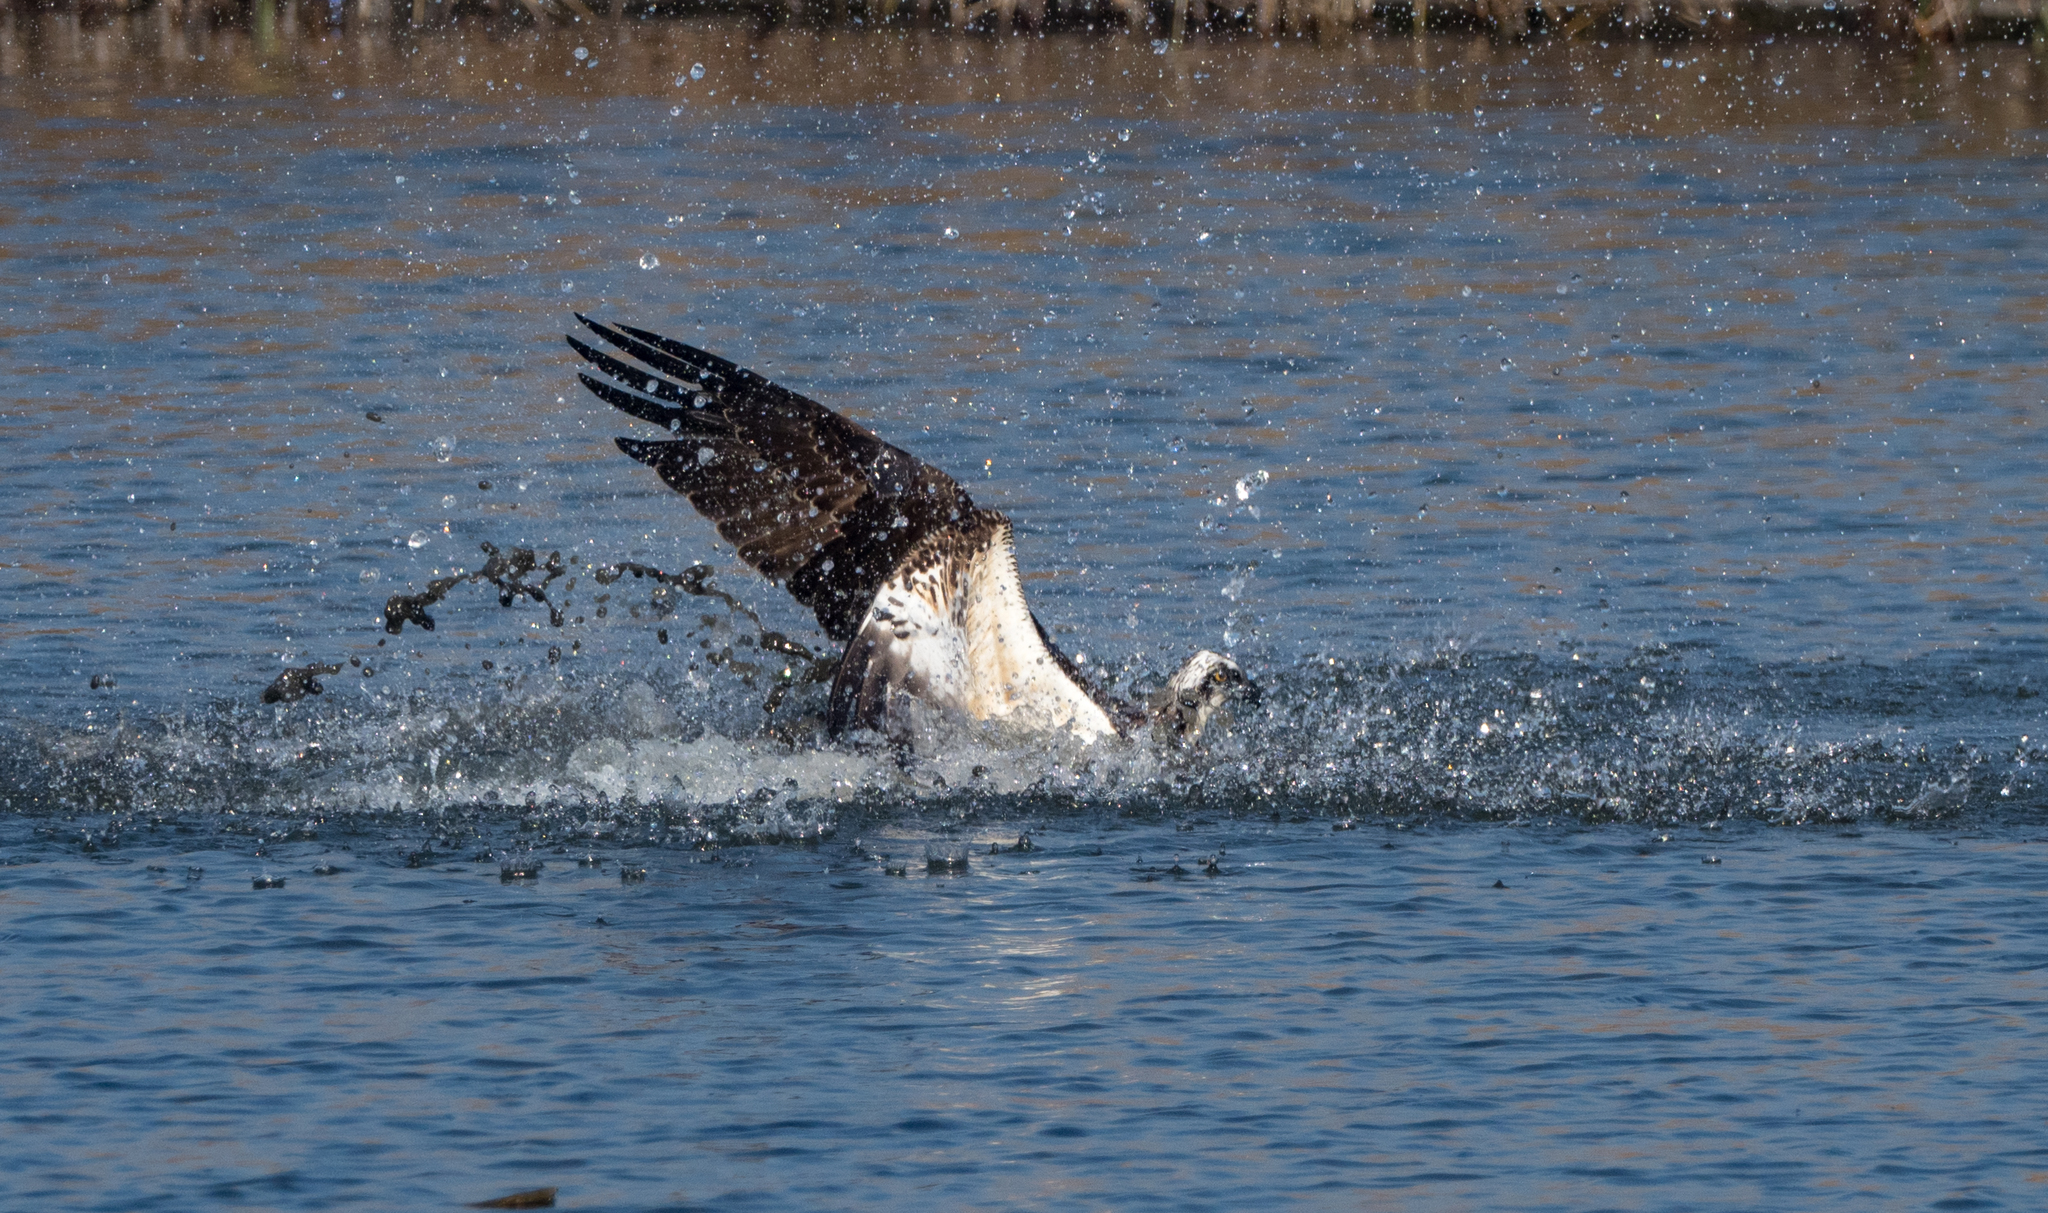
(1892, 22)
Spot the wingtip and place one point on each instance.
(637, 449)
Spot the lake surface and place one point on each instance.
(1618, 463)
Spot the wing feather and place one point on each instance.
(806, 496)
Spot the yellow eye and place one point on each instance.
(1216, 676)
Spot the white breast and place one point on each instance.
(952, 631)
(1010, 673)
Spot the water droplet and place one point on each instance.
(583, 52)
(367, 575)
(418, 540)
(340, 93)
(1177, 445)
(761, 239)
(952, 233)
(1466, 291)
(444, 449)
(567, 286)
(1124, 135)
(1094, 157)
(649, 261)
(696, 71)
(1202, 239)
(1252, 484)
(675, 111)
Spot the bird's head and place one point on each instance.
(1183, 707)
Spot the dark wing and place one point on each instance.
(804, 495)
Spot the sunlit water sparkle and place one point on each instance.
(1618, 464)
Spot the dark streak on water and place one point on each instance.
(1639, 445)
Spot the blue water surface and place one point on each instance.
(1618, 462)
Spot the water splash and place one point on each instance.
(566, 757)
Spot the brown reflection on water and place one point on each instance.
(1260, 137)
(1981, 92)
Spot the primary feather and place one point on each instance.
(804, 495)
(889, 552)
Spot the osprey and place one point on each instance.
(917, 582)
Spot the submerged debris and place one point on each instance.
(696, 581)
(298, 683)
(945, 857)
(789, 664)
(519, 867)
(506, 572)
(535, 1198)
